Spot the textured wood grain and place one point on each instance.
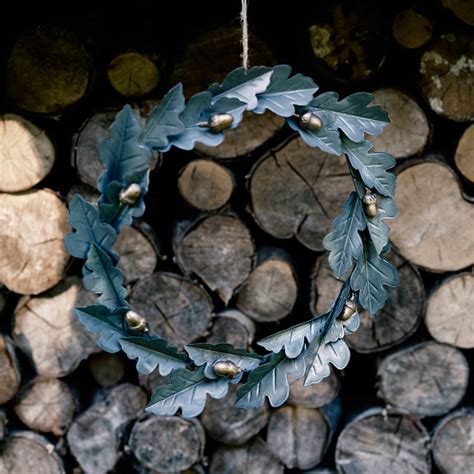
(232, 327)
(411, 29)
(107, 369)
(464, 157)
(9, 370)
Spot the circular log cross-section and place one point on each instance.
(26, 154)
(464, 157)
(462, 9)
(408, 131)
(175, 307)
(32, 229)
(430, 206)
(298, 191)
(427, 379)
(232, 327)
(167, 443)
(411, 29)
(48, 85)
(219, 250)
(205, 184)
(453, 442)
(380, 441)
(9, 370)
(449, 312)
(107, 369)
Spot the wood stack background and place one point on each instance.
(230, 248)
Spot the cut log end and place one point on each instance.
(232, 327)
(107, 369)
(9, 370)
(411, 29)
(464, 157)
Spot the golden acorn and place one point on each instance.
(226, 368)
(370, 203)
(219, 122)
(130, 194)
(309, 121)
(136, 322)
(350, 308)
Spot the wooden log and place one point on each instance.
(150, 382)
(205, 185)
(229, 424)
(133, 74)
(3, 424)
(219, 250)
(254, 457)
(232, 327)
(270, 291)
(464, 157)
(3, 297)
(32, 229)
(46, 405)
(298, 191)
(397, 321)
(87, 192)
(26, 452)
(383, 441)
(453, 442)
(446, 70)
(167, 443)
(430, 206)
(9, 370)
(26, 154)
(411, 29)
(409, 129)
(107, 369)
(53, 85)
(462, 9)
(175, 307)
(449, 311)
(427, 379)
(47, 331)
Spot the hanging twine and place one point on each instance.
(245, 35)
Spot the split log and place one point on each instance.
(427, 379)
(462, 9)
(95, 435)
(47, 331)
(9, 370)
(232, 327)
(449, 311)
(167, 443)
(229, 424)
(48, 86)
(393, 324)
(430, 207)
(219, 250)
(107, 369)
(464, 157)
(411, 29)
(270, 291)
(175, 307)
(133, 74)
(32, 229)
(298, 191)
(381, 441)
(409, 129)
(25, 452)
(446, 72)
(255, 457)
(205, 185)
(26, 154)
(453, 442)
(46, 405)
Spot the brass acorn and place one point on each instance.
(370, 203)
(130, 194)
(350, 308)
(136, 322)
(226, 368)
(218, 122)
(309, 121)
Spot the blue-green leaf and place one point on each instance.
(188, 391)
(345, 241)
(152, 353)
(283, 93)
(378, 229)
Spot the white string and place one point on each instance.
(245, 35)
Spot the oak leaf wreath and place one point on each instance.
(357, 242)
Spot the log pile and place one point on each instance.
(230, 249)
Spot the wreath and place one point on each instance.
(356, 244)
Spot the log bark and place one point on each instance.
(434, 226)
(32, 229)
(427, 379)
(46, 405)
(232, 327)
(298, 191)
(409, 129)
(219, 250)
(167, 443)
(463, 10)
(26, 154)
(205, 185)
(9, 370)
(381, 441)
(453, 442)
(175, 307)
(399, 318)
(53, 85)
(47, 331)
(107, 369)
(464, 157)
(449, 311)
(411, 29)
